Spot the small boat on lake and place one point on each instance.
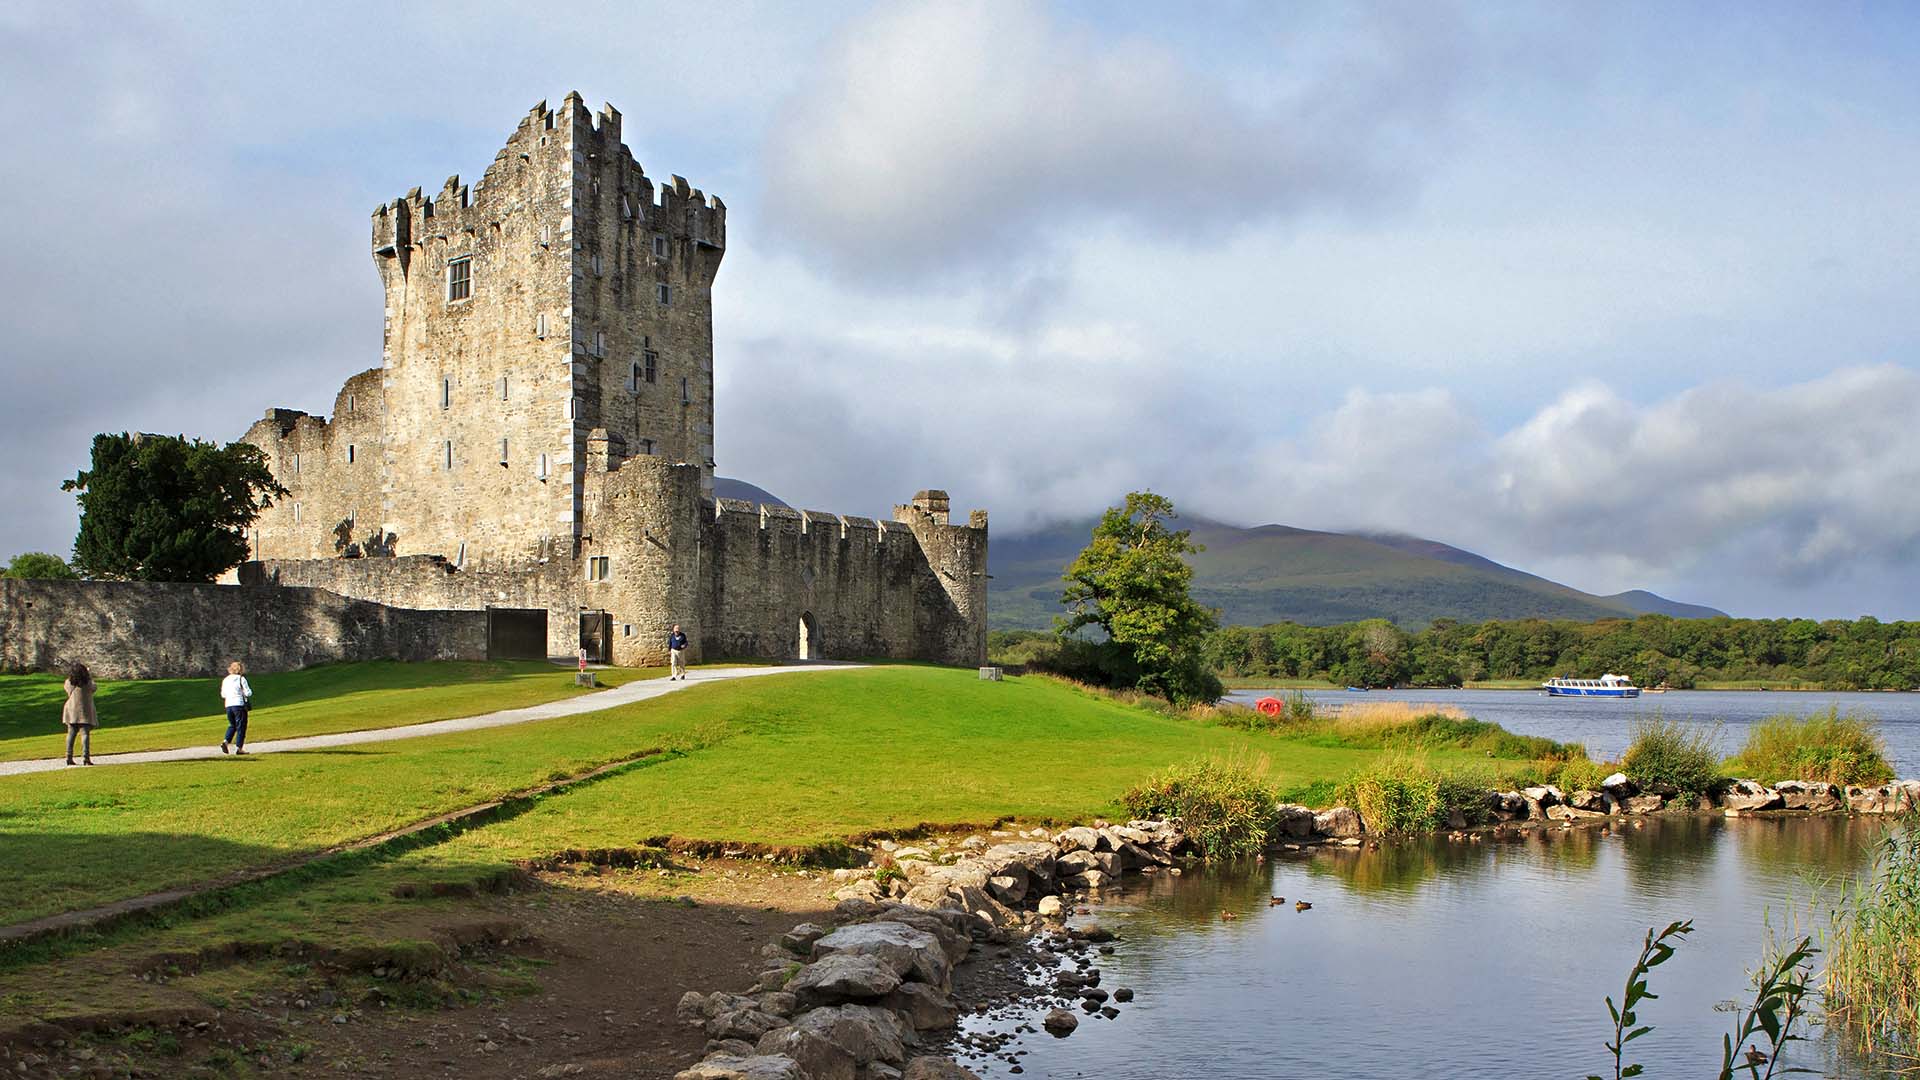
(1356, 689)
(1606, 686)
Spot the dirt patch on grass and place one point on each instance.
(575, 972)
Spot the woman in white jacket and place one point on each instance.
(238, 697)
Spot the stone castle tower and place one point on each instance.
(542, 424)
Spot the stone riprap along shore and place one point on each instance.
(873, 997)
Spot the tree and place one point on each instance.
(166, 508)
(39, 564)
(1132, 582)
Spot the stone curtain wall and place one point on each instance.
(153, 630)
(432, 583)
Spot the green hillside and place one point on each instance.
(1274, 573)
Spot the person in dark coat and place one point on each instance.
(677, 655)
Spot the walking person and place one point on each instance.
(78, 714)
(677, 655)
(239, 698)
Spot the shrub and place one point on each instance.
(1668, 752)
(1228, 809)
(1873, 949)
(1829, 746)
(1580, 774)
(1397, 793)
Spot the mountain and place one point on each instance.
(1272, 573)
(725, 488)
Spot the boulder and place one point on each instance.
(1545, 794)
(1748, 795)
(779, 1003)
(746, 1024)
(1588, 800)
(1648, 803)
(864, 1031)
(736, 1067)
(1007, 888)
(843, 977)
(800, 939)
(1340, 821)
(937, 1068)
(1060, 1023)
(1617, 785)
(819, 1057)
(1050, 907)
(923, 1007)
(1507, 805)
(1079, 861)
(1078, 838)
(1293, 821)
(950, 927)
(913, 953)
(1572, 813)
(1812, 795)
(1034, 857)
(864, 889)
(1135, 857)
(698, 1008)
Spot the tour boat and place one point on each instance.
(1611, 686)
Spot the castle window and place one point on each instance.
(660, 246)
(296, 464)
(460, 557)
(296, 513)
(599, 343)
(503, 388)
(446, 393)
(633, 379)
(546, 236)
(646, 447)
(626, 629)
(540, 325)
(349, 453)
(686, 391)
(349, 404)
(598, 567)
(503, 451)
(459, 279)
(664, 293)
(599, 268)
(449, 453)
(649, 360)
(542, 473)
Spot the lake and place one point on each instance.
(1604, 725)
(1437, 958)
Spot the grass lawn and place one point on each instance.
(790, 760)
(160, 714)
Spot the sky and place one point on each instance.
(1619, 294)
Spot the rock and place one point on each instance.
(1060, 1023)
(1078, 838)
(1811, 795)
(1094, 932)
(1545, 794)
(1507, 805)
(698, 1008)
(1079, 861)
(734, 1047)
(951, 928)
(1617, 785)
(976, 842)
(864, 889)
(747, 1024)
(1123, 993)
(1293, 820)
(1571, 813)
(1747, 795)
(800, 939)
(866, 1032)
(1648, 803)
(779, 1003)
(1338, 822)
(923, 1007)
(913, 953)
(734, 1067)
(1588, 800)
(820, 1058)
(879, 1070)
(844, 977)
(1007, 888)
(937, 1068)
(1050, 907)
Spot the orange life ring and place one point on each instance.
(1270, 706)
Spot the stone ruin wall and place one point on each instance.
(331, 470)
(164, 629)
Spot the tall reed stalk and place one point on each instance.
(1873, 950)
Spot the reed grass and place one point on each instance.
(1873, 951)
(1828, 745)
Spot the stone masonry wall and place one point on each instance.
(153, 630)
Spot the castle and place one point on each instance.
(538, 440)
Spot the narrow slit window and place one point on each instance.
(349, 404)
(503, 451)
(350, 453)
(446, 393)
(540, 325)
(460, 557)
(649, 360)
(449, 453)
(296, 513)
(686, 391)
(546, 236)
(459, 279)
(296, 464)
(633, 380)
(599, 343)
(503, 388)
(664, 292)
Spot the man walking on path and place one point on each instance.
(677, 655)
(239, 698)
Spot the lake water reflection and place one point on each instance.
(1434, 958)
(1604, 725)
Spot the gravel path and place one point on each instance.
(571, 706)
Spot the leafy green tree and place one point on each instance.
(39, 564)
(166, 508)
(1132, 581)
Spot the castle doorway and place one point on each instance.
(809, 637)
(596, 636)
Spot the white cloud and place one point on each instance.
(954, 136)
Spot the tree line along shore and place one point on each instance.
(1654, 650)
